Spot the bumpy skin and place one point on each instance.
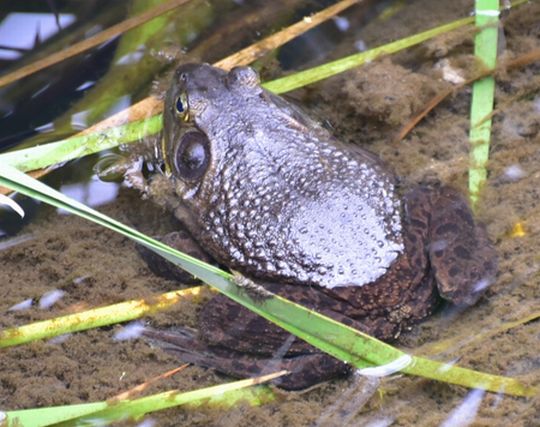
(281, 200)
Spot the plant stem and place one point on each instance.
(485, 49)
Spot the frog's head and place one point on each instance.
(258, 181)
(221, 128)
(200, 118)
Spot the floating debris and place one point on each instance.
(518, 230)
(23, 305)
(129, 332)
(50, 298)
(450, 73)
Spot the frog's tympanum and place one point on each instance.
(266, 191)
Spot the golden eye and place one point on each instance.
(182, 108)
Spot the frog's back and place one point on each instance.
(282, 199)
(322, 217)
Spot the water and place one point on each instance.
(92, 267)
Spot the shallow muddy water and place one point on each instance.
(93, 267)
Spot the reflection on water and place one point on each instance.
(388, 369)
(93, 193)
(49, 298)
(350, 402)
(465, 413)
(23, 305)
(131, 331)
(23, 30)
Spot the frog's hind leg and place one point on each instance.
(462, 257)
(304, 370)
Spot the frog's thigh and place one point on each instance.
(225, 323)
(305, 369)
(462, 257)
(182, 241)
(228, 324)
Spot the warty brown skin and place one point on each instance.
(263, 189)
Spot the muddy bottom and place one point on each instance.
(94, 267)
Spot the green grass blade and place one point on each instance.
(139, 407)
(315, 74)
(53, 153)
(94, 318)
(330, 336)
(108, 411)
(41, 417)
(483, 93)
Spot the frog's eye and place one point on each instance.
(192, 155)
(181, 106)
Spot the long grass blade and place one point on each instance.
(485, 50)
(105, 412)
(95, 318)
(337, 339)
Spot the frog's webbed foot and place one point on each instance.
(182, 241)
(304, 370)
(134, 178)
(461, 255)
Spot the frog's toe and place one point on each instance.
(309, 369)
(305, 370)
(462, 257)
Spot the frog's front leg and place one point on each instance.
(182, 241)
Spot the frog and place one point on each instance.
(261, 188)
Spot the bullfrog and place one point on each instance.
(261, 188)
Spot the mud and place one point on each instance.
(368, 106)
